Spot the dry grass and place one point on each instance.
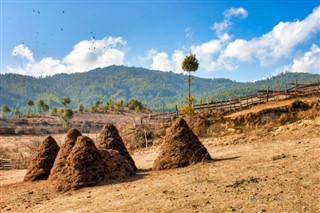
(273, 169)
(246, 177)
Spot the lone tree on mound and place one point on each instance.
(190, 64)
(181, 147)
(41, 165)
(109, 138)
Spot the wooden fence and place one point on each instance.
(262, 96)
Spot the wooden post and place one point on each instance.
(240, 103)
(177, 110)
(295, 89)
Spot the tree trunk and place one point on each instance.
(189, 90)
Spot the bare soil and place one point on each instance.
(273, 169)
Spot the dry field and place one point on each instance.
(267, 170)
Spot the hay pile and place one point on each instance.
(181, 147)
(109, 138)
(64, 152)
(41, 165)
(89, 166)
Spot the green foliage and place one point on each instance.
(110, 105)
(97, 107)
(54, 111)
(5, 110)
(119, 82)
(81, 108)
(190, 63)
(134, 104)
(17, 113)
(30, 103)
(42, 106)
(119, 105)
(66, 117)
(65, 102)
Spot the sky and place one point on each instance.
(242, 40)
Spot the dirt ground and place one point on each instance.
(274, 170)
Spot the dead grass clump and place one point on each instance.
(181, 147)
(41, 165)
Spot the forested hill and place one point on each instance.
(155, 88)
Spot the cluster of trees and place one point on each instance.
(66, 113)
(115, 106)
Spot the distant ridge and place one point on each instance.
(159, 90)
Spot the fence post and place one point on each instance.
(268, 94)
(295, 89)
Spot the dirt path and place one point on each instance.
(264, 175)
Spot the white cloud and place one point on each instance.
(205, 53)
(86, 55)
(227, 54)
(221, 28)
(240, 12)
(276, 44)
(308, 63)
(149, 55)
(161, 61)
(23, 51)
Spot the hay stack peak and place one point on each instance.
(41, 165)
(109, 138)
(64, 152)
(181, 147)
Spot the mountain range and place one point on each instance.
(159, 90)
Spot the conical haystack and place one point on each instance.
(181, 147)
(64, 152)
(41, 165)
(89, 166)
(109, 138)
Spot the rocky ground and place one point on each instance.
(273, 168)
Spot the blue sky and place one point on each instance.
(240, 40)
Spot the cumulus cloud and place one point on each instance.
(162, 61)
(221, 28)
(226, 53)
(240, 12)
(309, 62)
(277, 43)
(85, 55)
(23, 51)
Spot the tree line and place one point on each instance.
(66, 113)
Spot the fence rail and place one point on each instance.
(262, 96)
